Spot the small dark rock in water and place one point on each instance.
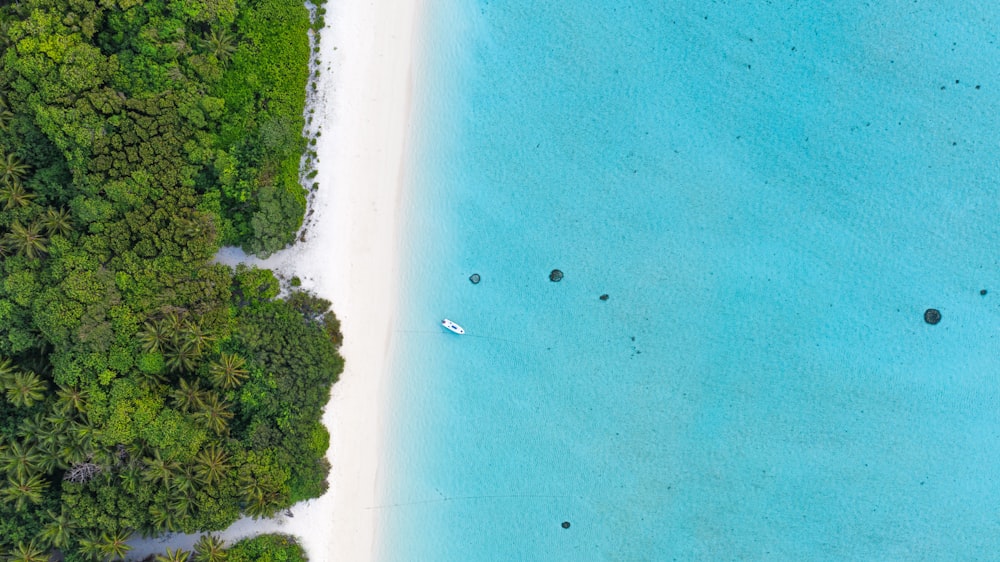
(932, 316)
(474, 278)
(604, 297)
(983, 292)
(556, 275)
(565, 525)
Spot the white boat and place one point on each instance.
(453, 326)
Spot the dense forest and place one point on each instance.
(143, 387)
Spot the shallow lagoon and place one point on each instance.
(771, 196)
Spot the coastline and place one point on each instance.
(348, 253)
(362, 163)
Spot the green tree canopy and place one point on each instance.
(145, 388)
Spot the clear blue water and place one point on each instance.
(771, 194)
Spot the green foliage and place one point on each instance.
(23, 389)
(28, 552)
(261, 134)
(295, 357)
(144, 388)
(252, 286)
(22, 489)
(318, 310)
(229, 371)
(262, 548)
(294, 349)
(209, 548)
(267, 548)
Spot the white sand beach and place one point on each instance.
(349, 256)
(354, 247)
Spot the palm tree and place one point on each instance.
(212, 464)
(7, 370)
(159, 469)
(184, 480)
(85, 429)
(214, 414)
(135, 451)
(19, 459)
(228, 371)
(209, 548)
(182, 505)
(154, 336)
(90, 546)
(174, 321)
(195, 335)
(188, 396)
(178, 555)
(23, 488)
(58, 422)
(163, 519)
(114, 546)
(181, 358)
(74, 449)
(32, 428)
(265, 505)
(50, 440)
(251, 489)
(14, 194)
(71, 400)
(12, 168)
(38, 432)
(221, 44)
(29, 552)
(25, 389)
(27, 240)
(58, 532)
(131, 479)
(57, 222)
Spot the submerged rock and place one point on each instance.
(474, 278)
(983, 292)
(555, 276)
(932, 316)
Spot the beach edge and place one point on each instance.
(362, 165)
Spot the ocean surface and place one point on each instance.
(770, 194)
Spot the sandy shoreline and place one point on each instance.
(363, 155)
(350, 257)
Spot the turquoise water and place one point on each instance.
(771, 194)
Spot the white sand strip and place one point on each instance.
(349, 257)
(365, 162)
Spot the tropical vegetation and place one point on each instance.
(145, 388)
(262, 548)
(267, 548)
